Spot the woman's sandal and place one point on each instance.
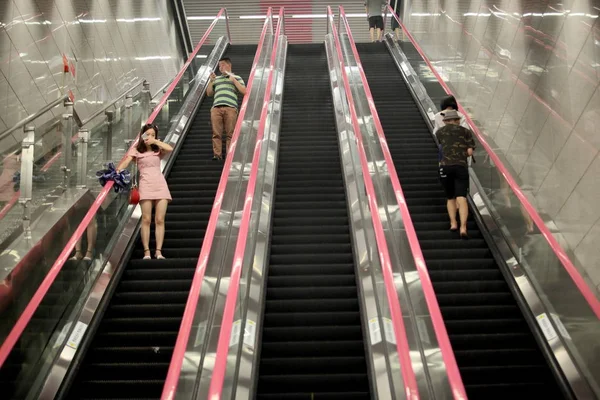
(146, 257)
(158, 255)
(88, 256)
(78, 256)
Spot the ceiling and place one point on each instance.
(305, 19)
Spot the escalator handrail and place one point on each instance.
(219, 369)
(560, 253)
(403, 349)
(454, 377)
(41, 291)
(172, 380)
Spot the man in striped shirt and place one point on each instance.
(223, 115)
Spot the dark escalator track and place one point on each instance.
(312, 342)
(129, 355)
(495, 350)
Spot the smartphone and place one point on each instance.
(144, 136)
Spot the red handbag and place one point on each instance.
(134, 193)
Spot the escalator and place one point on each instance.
(130, 353)
(495, 349)
(312, 342)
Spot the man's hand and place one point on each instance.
(232, 78)
(213, 76)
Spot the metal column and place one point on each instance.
(129, 129)
(145, 102)
(82, 149)
(110, 116)
(26, 182)
(67, 156)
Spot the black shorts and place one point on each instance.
(376, 22)
(455, 180)
(395, 24)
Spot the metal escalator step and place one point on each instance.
(316, 395)
(311, 365)
(312, 280)
(481, 315)
(325, 382)
(313, 319)
(312, 344)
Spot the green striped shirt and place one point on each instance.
(226, 94)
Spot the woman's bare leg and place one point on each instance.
(159, 224)
(146, 220)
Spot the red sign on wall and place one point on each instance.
(68, 66)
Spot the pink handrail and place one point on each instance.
(583, 287)
(37, 298)
(218, 375)
(454, 378)
(172, 379)
(402, 347)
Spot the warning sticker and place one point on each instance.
(250, 333)
(235, 332)
(546, 326)
(390, 336)
(374, 331)
(77, 335)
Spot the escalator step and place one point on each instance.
(312, 344)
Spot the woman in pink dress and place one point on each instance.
(152, 185)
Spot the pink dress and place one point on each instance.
(152, 183)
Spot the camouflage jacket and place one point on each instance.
(454, 142)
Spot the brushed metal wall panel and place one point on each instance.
(528, 72)
(111, 43)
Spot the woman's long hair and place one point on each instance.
(141, 146)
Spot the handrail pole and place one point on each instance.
(82, 149)
(129, 129)
(108, 140)
(26, 179)
(227, 26)
(145, 101)
(67, 154)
